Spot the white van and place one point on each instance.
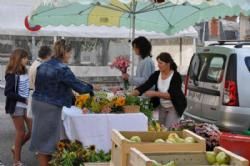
(217, 86)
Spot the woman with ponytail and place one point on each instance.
(53, 90)
(167, 81)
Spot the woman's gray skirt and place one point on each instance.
(46, 127)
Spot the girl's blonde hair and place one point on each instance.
(14, 65)
(60, 48)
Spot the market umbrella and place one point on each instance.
(168, 17)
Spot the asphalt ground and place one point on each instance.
(7, 133)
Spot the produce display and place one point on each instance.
(172, 138)
(135, 139)
(219, 159)
(170, 163)
(175, 138)
(74, 154)
(156, 126)
(153, 143)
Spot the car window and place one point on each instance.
(197, 66)
(211, 67)
(207, 67)
(215, 70)
(203, 66)
(194, 67)
(247, 61)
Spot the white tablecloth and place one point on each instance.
(95, 129)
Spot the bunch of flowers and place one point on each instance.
(122, 63)
(81, 100)
(102, 102)
(74, 154)
(106, 102)
(208, 131)
(119, 101)
(184, 124)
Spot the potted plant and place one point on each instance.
(132, 104)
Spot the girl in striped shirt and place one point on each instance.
(17, 92)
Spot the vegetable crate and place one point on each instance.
(121, 144)
(96, 164)
(138, 158)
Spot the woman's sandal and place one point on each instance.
(1, 164)
(13, 150)
(19, 163)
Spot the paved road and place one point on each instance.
(7, 138)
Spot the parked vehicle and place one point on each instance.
(217, 85)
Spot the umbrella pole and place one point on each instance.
(180, 63)
(132, 38)
(33, 45)
(132, 54)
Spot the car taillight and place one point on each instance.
(186, 85)
(230, 96)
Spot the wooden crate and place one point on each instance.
(121, 145)
(138, 158)
(96, 164)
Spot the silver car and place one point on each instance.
(217, 86)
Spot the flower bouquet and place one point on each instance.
(117, 104)
(102, 102)
(74, 154)
(208, 131)
(81, 100)
(100, 105)
(122, 63)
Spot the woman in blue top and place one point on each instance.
(53, 90)
(145, 67)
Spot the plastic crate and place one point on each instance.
(236, 143)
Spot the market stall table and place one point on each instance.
(95, 129)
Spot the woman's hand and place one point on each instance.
(135, 93)
(151, 93)
(125, 76)
(85, 110)
(115, 89)
(96, 87)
